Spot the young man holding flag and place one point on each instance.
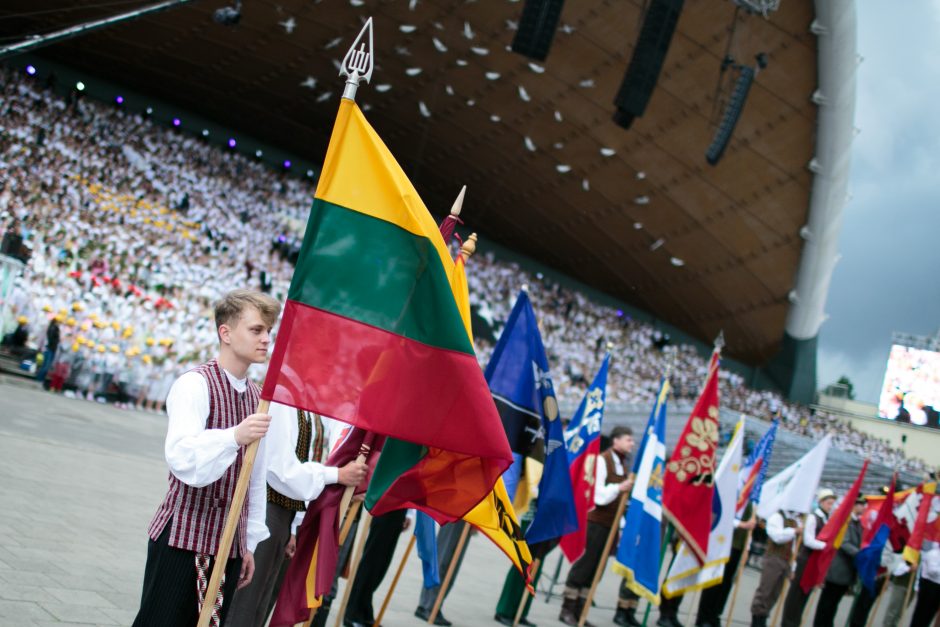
(611, 480)
(842, 572)
(796, 597)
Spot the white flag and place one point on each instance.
(686, 574)
(794, 488)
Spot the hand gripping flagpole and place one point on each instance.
(357, 65)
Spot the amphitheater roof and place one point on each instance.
(549, 174)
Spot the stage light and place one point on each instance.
(287, 164)
(231, 142)
(30, 70)
(80, 86)
(119, 100)
(176, 122)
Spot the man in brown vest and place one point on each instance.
(295, 445)
(796, 599)
(611, 480)
(782, 530)
(211, 411)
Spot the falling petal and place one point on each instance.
(407, 28)
(471, 102)
(423, 108)
(642, 200)
(529, 144)
(324, 96)
(677, 262)
(382, 87)
(462, 62)
(467, 31)
(657, 244)
(558, 117)
(524, 94)
(563, 168)
(413, 71)
(439, 44)
(586, 185)
(535, 67)
(587, 83)
(480, 51)
(495, 118)
(492, 76)
(449, 90)
(608, 152)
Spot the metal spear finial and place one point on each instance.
(458, 203)
(359, 61)
(720, 341)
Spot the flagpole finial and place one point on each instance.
(525, 288)
(720, 341)
(359, 61)
(610, 346)
(458, 203)
(672, 355)
(469, 247)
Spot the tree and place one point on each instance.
(844, 380)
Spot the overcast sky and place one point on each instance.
(889, 276)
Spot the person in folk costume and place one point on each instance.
(842, 571)
(211, 421)
(928, 591)
(611, 480)
(783, 528)
(796, 599)
(712, 602)
(294, 445)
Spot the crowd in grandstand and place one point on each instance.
(134, 229)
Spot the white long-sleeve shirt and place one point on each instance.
(777, 532)
(302, 481)
(809, 531)
(606, 493)
(198, 456)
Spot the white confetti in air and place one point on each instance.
(567, 29)
(423, 108)
(366, 107)
(495, 118)
(413, 71)
(438, 25)
(558, 117)
(467, 31)
(559, 145)
(637, 225)
(608, 152)
(449, 90)
(407, 28)
(535, 67)
(524, 94)
(356, 3)
(337, 64)
(563, 168)
(586, 185)
(471, 103)
(640, 175)
(462, 62)
(587, 83)
(512, 25)
(480, 51)
(402, 51)
(677, 262)
(412, 4)
(492, 76)
(382, 87)
(657, 244)
(333, 43)
(439, 44)
(529, 144)
(324, 96)
(309, 82)
(642, 200)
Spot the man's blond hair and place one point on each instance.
(229, 310)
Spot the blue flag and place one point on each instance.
(754, 470)
(868, 560)
(522, 388)
(638, 554)
(426, 540)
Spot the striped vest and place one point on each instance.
(197, 515)
(308, 426)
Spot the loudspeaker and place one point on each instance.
(730, 118)
(647, 61)
(537, 28)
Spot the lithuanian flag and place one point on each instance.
(372, 333)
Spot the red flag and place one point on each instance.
(689, 485)
(885, 515)
(307, 579)
(832, 533)
(916, 541)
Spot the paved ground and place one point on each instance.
(79, 482)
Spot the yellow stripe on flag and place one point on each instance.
(311, 582)
(360, 174)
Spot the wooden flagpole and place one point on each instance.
(812, 602)
(533, 568)
(366, 522)
(907, 595)
(451, 568)
(602, 566)
(742, 564)
(881, 593)
(780, 601)
(231, 522)
(391, 589)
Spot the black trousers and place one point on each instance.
(796, 599)
(862, 605)
(581, 575)
(928, 601)
(828, 605)
(376, 558)
(169, 593)
(713, 599)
